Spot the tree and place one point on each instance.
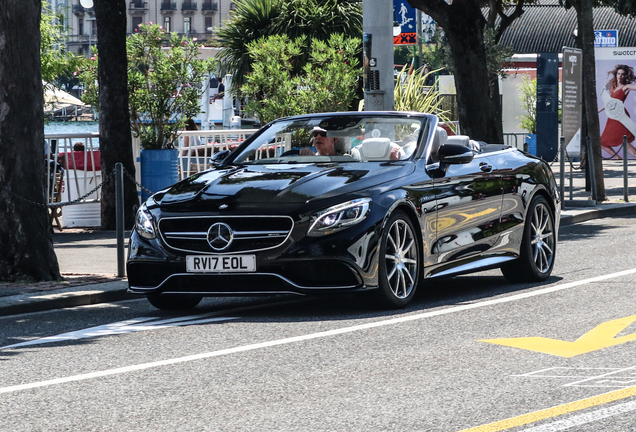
(254, 19)
(56, 60)
(163, 84)
(25, 228)
(327, 82)
(114, 126)
(464, 26)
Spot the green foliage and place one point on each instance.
(254, 19)
(55, 60)
(411, 94)
(164, 85)
(528, 98)
(498, 57)
(327, 82)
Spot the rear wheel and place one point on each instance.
(174, 302)
(400, 262)
(538, 247)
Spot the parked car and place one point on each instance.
(399, 203)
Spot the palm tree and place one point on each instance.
(253, 19)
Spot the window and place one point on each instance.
(135, 23)
(166, 23)
(81, 26)
(208, 24)
(186, 25)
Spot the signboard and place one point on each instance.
(615, 68)
(571, 95)
(404, 14)
(547, 105)
(605, 38)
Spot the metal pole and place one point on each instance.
(590, 164)
(119, 219)
(562, 168)
(625, 186)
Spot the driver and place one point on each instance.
(325, 146)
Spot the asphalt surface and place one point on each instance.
(88, 257)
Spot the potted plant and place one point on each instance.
(528, 98)
(166, 78)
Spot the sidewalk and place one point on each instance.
(88, 258)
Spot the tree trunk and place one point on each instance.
(586, 29)
(115, 139)
(463, 25)
(26, 245)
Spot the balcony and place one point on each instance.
(188, 8)
(138, 7)
(168, 8)
(209, 8)
(78, 10)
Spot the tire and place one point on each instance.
(174, 302)
(538, 246)
(400, 263)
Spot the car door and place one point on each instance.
(468, 203)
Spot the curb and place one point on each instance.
(599, 212)
(64, 298)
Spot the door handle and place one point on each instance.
(485, 167)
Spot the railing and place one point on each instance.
(516, 140)
(134, 5)
(209, 6)
(189, 6)
(169, 6)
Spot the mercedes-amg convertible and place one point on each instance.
(346, 202)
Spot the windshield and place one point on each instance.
(342, 138)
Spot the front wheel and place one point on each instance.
(538, 246)
(400, 262)
(174, 302)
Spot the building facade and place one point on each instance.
(189, 18)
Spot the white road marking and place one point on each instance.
(581, 419)
(128, 326)
(323, 334)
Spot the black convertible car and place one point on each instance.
(342, 202)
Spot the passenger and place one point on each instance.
(78, 147)
(196, 142)
(325, 146)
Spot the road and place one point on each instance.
(473, 353)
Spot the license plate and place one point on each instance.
(220, 263)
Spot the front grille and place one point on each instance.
(250, 233)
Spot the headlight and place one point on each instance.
(338, 217)
(145, 223)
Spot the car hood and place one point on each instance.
(282, 183)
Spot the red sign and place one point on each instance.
(405, 39)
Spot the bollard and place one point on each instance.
(562, 170)
(590, 167)
(625, 185)
(119, 218)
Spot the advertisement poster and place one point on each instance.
(616, 97)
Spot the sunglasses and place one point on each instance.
(322, 134)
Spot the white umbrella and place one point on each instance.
(53, 96)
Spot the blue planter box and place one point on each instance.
(531, 140)
(159, 169)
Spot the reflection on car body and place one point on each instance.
(397, 204)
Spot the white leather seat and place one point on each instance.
(463, 140)
(373, 149)
(440, 138)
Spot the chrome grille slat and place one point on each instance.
(245, 240)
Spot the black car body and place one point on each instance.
(267, 220)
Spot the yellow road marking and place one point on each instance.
(555, 411)
(601, 336)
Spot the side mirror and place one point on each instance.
(219, 157)
(455, 154)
